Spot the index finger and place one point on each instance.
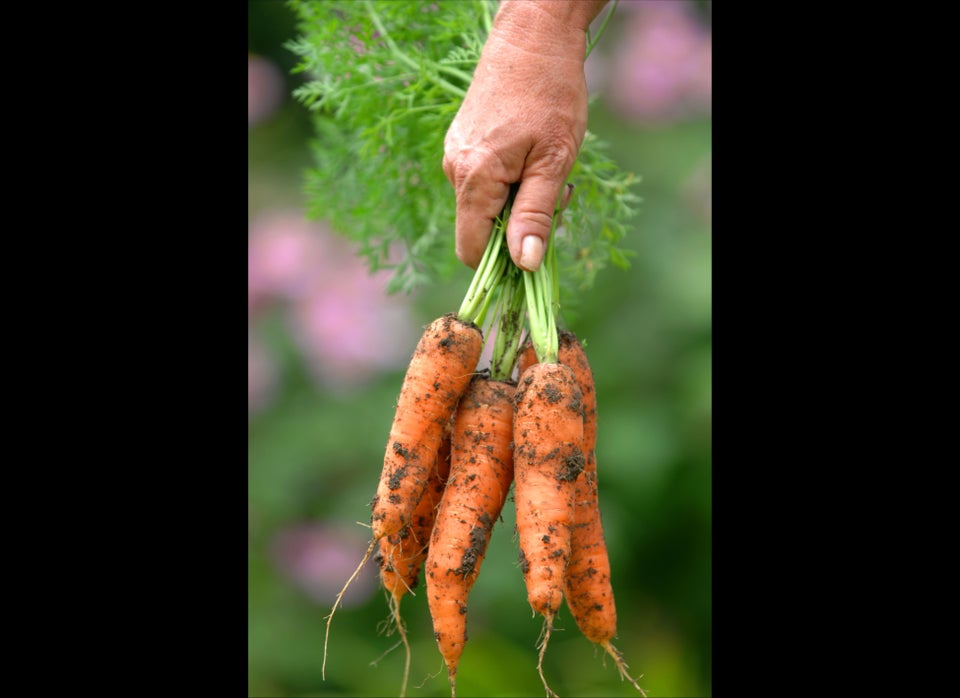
(481, 192)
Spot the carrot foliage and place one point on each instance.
(383, 81)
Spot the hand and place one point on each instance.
(523, 120)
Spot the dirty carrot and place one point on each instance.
(402, 554)
(587, 586)
(481, 472)
(442, 365)
(440, 370)
(548, 436)
(572, 354)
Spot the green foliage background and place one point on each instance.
(316, 456)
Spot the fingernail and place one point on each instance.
(531, 253)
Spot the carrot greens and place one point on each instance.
(383, 80)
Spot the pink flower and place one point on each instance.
(347, 327)
(662, 70)
(285, 254)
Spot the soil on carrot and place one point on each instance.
(479, 538)
(552, 393)
(381, 562)
(449, 340)
(396, 478)
(572, 467)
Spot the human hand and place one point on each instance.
(523, 120)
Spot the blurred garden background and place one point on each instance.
(327, 352)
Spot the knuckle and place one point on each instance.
(537, 219)
(473, 168)
(557, 157)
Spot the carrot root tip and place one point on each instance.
(544, 639)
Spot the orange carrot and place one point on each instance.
(441, 368)
(587, 586)
(571, 354)
(548, 434)
(401, 555)
(481, 472)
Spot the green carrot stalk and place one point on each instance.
(506, 345)
(542, 289)
(489, 273)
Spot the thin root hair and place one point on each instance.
(430, 677)
(542, 646)
(383, 656)
(326, 637)
(622, 667)
(394, 604)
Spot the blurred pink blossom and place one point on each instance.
(285, 253)
(346, 326)
(265, 88)
(662, 69)
(349, 327)
(319, 559)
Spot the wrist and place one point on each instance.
(554, 27)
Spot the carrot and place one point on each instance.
(439, 371)
(481, 472)
(401, 555)
(571, 354)
(548, 433)
(587, 586)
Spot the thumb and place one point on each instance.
(531, 217)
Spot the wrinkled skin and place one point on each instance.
(523, 120)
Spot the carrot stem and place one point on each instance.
(510, 329)
(539, 315)
(541, 309)
(542, 289)
(593, 41)
(490, 272)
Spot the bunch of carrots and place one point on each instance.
(461, 437)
